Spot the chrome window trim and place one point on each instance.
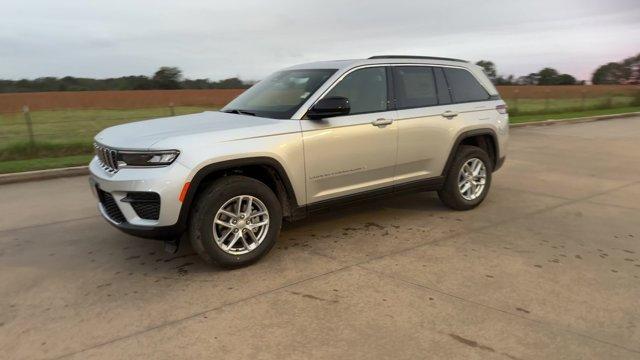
(317, 97)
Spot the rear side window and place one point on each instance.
(366, 90)
(464, 87)
(444, 96)
(414, 86)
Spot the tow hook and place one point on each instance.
(171, 246)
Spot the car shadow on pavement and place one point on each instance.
(320, 230)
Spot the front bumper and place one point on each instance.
(499, 163)
(167, 182)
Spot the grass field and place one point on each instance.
(559, 105)
(64, 137)
(77, 125)
(14, 166)
(572, 114)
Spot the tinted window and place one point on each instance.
(444, 97)
(414, 86)
(280, 94)
(366, 90)
(464, 87)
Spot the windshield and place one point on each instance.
(281, 94)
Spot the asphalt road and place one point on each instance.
(547, 268)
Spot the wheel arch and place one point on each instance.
(265, 169)
(484, 138)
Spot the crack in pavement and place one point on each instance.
(460, 298)
(195, 315)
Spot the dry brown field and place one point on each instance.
(129, 99)
(135, 99)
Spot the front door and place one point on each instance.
(350, 154)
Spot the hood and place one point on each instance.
(144, 134)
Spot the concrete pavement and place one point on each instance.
(548, 267)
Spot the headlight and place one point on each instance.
(147, 158)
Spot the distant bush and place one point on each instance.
(626, 71)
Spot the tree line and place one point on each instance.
(166, 78)
(624, 72)
(546, 76)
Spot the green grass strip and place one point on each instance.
(15, 166)
(574, 114)
(17, 150)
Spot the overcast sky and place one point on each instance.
(220, 39)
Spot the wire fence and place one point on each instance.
(60, 124)
(23, 133)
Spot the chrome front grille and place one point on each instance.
(108, 158)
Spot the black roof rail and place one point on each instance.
(415, 57)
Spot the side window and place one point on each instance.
(444, 97)
(464, 87)
(366, 90)
(414, 86)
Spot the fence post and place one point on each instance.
(172, 109)
(546, 101)
(27, 119)
(582, 100)
(610, 102)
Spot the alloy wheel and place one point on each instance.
(472, 179)
(241, 224)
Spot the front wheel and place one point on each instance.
(468, 179)
(235, 221)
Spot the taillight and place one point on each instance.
(502, 109)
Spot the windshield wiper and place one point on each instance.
(242, 112)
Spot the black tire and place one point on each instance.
(450, 193)
(207, 204)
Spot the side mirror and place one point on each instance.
(329, 107)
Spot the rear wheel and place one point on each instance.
(235, 221)
(468, 179)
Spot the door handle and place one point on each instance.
(381, 122)
(449, 114)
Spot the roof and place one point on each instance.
(415, 57)
(381, 59)
(331, 64)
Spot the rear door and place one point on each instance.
(422, 96)
(434, 103)
(350, 154)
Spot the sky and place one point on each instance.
(251, 38)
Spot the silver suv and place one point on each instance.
(305, 138)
